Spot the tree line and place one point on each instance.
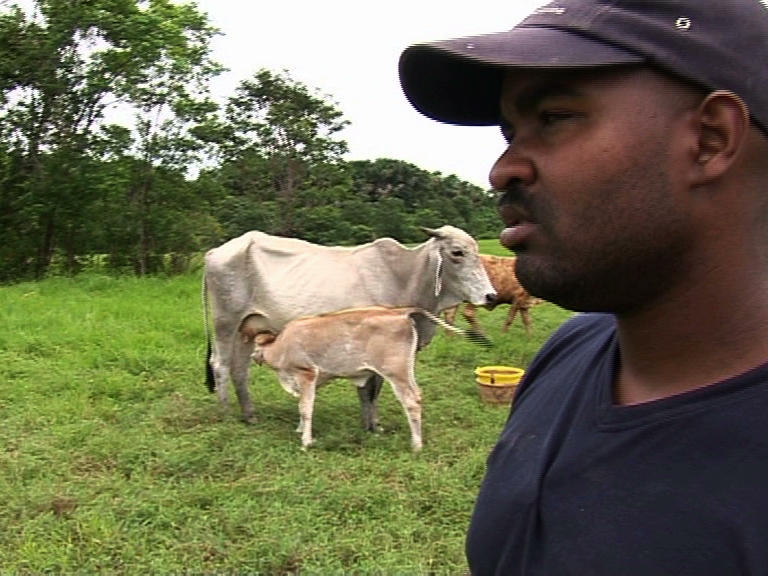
(180, 172)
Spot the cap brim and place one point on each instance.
(458, 81)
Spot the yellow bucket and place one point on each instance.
(498, 383)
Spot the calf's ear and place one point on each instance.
(264, 338)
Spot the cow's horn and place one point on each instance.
(432, 232)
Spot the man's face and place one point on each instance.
(593, 199)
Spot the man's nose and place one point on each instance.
(511, 166)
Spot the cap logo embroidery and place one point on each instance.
(554, 10)
(684, 23)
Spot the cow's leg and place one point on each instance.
(307, 383)
(240, 363)
(511, 318)
(369, 408)
(219, 363)
(525, 315)
(450, 317)
(469, 313)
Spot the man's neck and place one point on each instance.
(686, 343)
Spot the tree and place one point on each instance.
(62, 67)
(425, 199)
(387, 177)
(292, 128)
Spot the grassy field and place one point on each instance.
(115, 459)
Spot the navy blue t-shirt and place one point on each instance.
(577, 485)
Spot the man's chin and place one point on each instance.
(540, 281)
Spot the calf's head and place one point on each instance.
(262, 341)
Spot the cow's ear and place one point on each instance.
(432, 232)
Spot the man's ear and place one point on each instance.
(723, 125)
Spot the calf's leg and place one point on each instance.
(307, 382)
(408, 393)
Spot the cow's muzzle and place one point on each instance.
(490, 301)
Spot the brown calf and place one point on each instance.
(501, 272)
(352, 344)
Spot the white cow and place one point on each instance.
(270, 280)
(353, 344)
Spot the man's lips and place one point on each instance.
(514, 205)
(519, 225)
(512, 215)
(515, 237)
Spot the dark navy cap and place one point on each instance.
(716, 44)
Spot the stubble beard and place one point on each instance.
(635, 255)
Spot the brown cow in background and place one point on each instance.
(501, 272)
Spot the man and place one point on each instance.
(634, 187)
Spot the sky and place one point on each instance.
(348, 50)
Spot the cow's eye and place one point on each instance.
(457, 253)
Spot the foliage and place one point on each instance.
(288, 132)
(115, 459)
(281, 117)
(180, 173)
(64, 65)
(396, 189)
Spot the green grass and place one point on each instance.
(492, 246)
(115, 459)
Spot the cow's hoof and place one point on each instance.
(249, 419)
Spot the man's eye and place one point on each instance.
(548, 117)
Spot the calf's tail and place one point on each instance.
(471, 335)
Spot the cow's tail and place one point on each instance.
(210, 379)
(471, 335)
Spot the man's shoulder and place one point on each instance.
(580, 331)
(579, 346)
